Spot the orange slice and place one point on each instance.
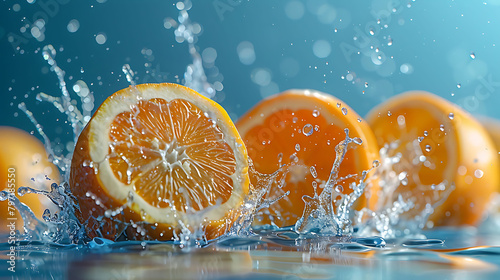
(455, 149)
(158, 156)
(23, 161)
(308, 125)
(493, 128)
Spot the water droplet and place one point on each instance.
(315, 113)
(441, 127)
(366, 84)
(372, 32)
(307, 130)
(478, 173)
(420, 139)
(459, 85)
(359, 120)
(451, 116)
(344, 110)
(339, 188)
(426, 133)
(313, 172)
(389, 113)
(472, 55)
(376, 163)
(297, 147)
(427, 148)
(339, 104)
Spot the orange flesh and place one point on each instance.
(279, 133)
(178, 146)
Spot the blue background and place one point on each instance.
(445, 47)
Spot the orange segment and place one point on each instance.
(308, 125)
(164, 153)
(453, 146)
(27, 156)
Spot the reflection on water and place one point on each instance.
(270, 255)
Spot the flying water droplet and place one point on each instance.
(344, 110)
(315, 113)
(472, 55)
(427, 148)
(307, 130)
(297, 147)
(451, 116)
(313, 172)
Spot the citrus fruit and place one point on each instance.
(452, 148)
(493, 128)
(23, 161)
(155, 157)
(306, 125)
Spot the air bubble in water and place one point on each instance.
(307, 130)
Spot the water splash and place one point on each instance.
(61, 227)
(401, 212)
(76, 117)
(258, 197)
(319, 215)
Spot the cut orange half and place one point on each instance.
(157, 156)
(454, 148)
(304, 125)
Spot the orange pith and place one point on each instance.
(274, 129)
(454, 148)
(166, 155)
